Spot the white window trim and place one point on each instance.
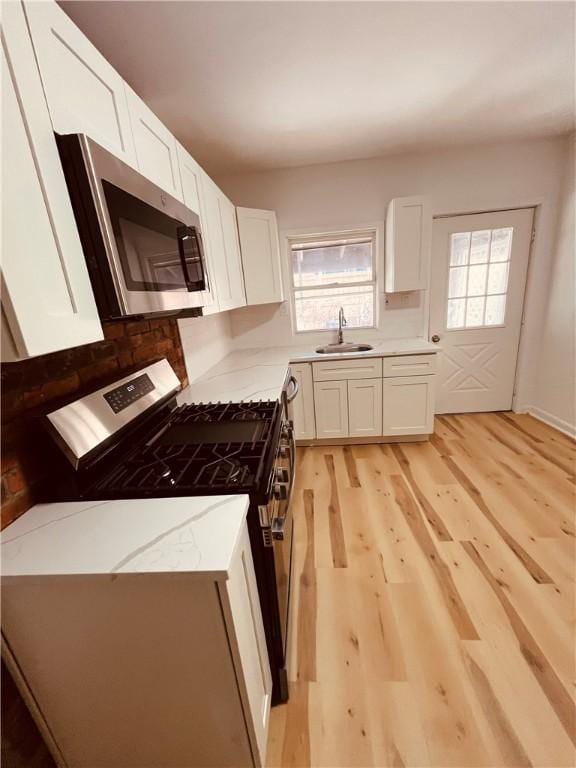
(303, 234)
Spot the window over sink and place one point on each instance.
(332, 271)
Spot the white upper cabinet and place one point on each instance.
(260, 248)
(224, 247)
(156, 152)
(408, 244)
(84, 93)
(47, 299)
(191, 175)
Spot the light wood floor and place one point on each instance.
(432, 621)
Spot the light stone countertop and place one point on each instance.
(259, 374)
(194, 535)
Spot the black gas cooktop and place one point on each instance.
(201, 449)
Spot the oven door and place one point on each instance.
(282, 523)
(152, 241)
(282, 535)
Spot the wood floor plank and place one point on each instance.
(453, 601)
(433, 609)
(419, 486)
(550, 683)
(307, 600)
(339, 556)
(442, 702)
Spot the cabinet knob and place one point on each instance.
(435, 338)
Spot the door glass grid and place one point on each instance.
(478, 277)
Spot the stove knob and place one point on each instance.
(281, 476)
(287, 431)
(280, 491)
(283, 452)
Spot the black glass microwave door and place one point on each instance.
(147, 243)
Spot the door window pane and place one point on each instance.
(495, 310)
(501, 244)
(478, 278)
(498, 277)
(474, 311)
(480, 247)
(456, 313)
(459, 248)
(457, 285)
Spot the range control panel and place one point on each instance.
(126, 394)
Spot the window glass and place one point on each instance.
(478, 278)
(332, 272)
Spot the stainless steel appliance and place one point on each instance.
(132, 440)
(142, 246)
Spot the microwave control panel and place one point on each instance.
(126, 394)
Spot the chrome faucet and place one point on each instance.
(341, 324)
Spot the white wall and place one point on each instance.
(355, 193)
(205, 341)
(555, 387)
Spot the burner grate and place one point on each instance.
(191, 469)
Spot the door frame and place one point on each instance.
(522, 343)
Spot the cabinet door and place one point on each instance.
(237, 294)
(84, 93)
(331, 409)
(408, 244)
(408, 405)
(225, 253)
(302, 407)
(260, 249)
(155, 146)
(365, 407)
(47, 298)
(248, 645)
(192, 190)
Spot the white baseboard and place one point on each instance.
(552, 421)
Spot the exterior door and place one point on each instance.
(479, 266)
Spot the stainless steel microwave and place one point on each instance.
(142, 246)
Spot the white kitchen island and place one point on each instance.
(134, 631)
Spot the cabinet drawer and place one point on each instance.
(409, 365)
(337, 370)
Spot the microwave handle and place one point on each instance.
(183, 234)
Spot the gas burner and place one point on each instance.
(225, 469)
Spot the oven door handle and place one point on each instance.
(295, 391)
(186, 233)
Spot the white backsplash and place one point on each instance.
(269, 325)
(205, 341)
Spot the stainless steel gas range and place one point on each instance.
(131, 440)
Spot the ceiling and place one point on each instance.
(259, 85)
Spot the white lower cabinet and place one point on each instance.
(145, 669)
(47, 299)
(302, 407)
(331, 409)
(365, 407)
(408, 405)
(365, 398)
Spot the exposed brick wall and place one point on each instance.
(40, 384)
